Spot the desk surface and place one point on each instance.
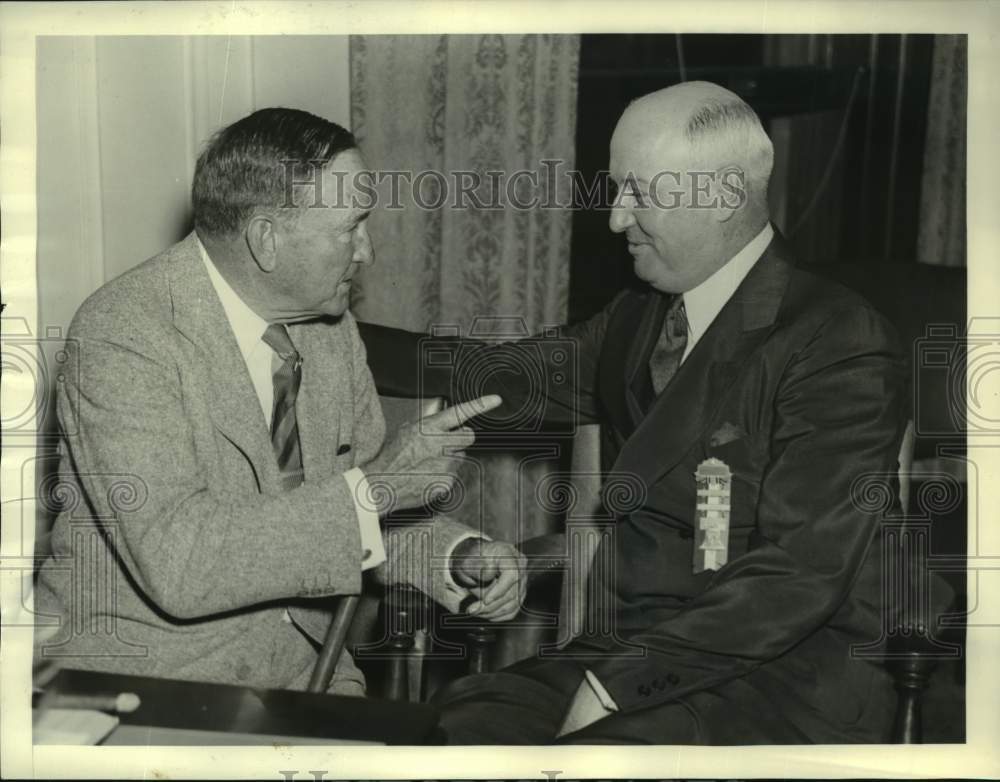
(141, 736)
(183, 712)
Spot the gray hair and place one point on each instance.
(730, 131)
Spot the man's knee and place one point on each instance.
(471, 687)
(505, 707)
(672, 723)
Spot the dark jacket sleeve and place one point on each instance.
(547, 381)
(838, 415)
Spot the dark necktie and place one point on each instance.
(670, 345)
(284, 426)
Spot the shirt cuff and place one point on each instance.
(372, 546)
(602, 695)
(449, 582)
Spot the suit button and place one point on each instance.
(644, 691)
(673, 678)
(366, 555)
(243, 672)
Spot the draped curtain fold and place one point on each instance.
(941, 239)
(477, 104)
(464, 106)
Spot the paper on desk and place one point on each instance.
(77, 727)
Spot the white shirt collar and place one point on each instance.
(246, 324)
(703, 302)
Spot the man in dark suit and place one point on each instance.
(793, 384)
(222, 437)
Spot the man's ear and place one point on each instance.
(730, 192)
(262, 241)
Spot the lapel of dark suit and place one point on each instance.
(682, 411)
(233, 403)
(619, 358)
(638, 383)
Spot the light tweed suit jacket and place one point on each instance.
(176, 552)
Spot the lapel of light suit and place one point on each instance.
(681, 413)
(324, 372)
(232, 401)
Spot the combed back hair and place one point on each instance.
(249, 166)
(730, 131)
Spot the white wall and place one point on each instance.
(120, 124)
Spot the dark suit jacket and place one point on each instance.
(798, 386)
(811, 379)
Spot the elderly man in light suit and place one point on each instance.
(222, 385)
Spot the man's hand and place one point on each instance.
(417, 464)
(495, 572)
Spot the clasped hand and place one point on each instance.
(417, 465)
(495, 573)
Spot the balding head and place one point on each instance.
(699, 155)
(705, 127)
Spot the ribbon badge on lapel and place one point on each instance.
(713, 480)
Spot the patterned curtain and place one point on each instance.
(475, 109)
(941, 239)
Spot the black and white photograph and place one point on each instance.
(439, 390)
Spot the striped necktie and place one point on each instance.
(670, 345)
(284, 426)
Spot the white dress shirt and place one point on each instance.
(261, 360)
(702, 304)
